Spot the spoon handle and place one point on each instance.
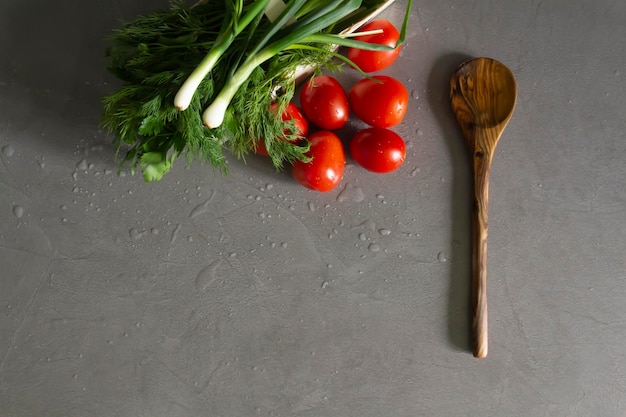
(480, 211)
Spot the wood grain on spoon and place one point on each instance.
(483, 93)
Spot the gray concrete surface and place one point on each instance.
(247, 295)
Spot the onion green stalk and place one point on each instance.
(227, 35)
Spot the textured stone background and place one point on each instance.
(247, 295)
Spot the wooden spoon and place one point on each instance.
(483, 93)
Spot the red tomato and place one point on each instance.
(381, 103)
(325, 169)
(324, 102)
(291, 112)
(378, 150)
(370, 61)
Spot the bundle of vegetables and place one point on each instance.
(217, 76)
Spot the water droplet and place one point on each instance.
(325, 284)
(207, 275)
(415, 172)
(374, 247)
(311, 206)
(8, 150)
(174, 233)
(136, 234)
(82, 165)
(200, 209)
(442, 257)
(18, 211)
(351, 193)
(384, 232)
(362, 237)
(415, 94)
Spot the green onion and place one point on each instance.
(305, 31)
(227, 35)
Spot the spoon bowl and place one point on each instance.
(483, 93)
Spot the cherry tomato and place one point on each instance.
(370, 61)
(324, 102)
(325, 169)
(381, 103)
(291, 112)
(378, 150)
